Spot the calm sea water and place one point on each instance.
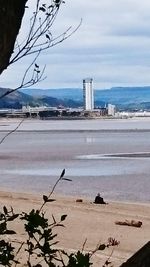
(32, 158)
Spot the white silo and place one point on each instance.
(88, 94)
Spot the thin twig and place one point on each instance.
(35, 43)
(84, 244)
(38, 30)
(58, 180)
(109, 256)
(14, 130)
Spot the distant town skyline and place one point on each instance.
(112, 46)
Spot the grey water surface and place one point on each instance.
(111, 160)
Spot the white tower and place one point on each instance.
(88, 94)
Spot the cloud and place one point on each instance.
(112, 45)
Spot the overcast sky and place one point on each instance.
(112, 46)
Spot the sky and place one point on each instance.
(112, 46)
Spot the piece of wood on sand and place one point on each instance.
(130, 223)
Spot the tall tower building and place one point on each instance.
(88, 94)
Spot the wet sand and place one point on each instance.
(106, 156)
(85, 220)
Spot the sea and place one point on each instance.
(106, 156)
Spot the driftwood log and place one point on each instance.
(129, 223)
(79, 200)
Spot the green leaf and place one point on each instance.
(5, 210)
(10, 232)
(45, 198)
(79, 259)
(2, 227)
(62, 174)
(13, 217)
(51, 200)
(66, 179)
(63, 217)
(102, 247)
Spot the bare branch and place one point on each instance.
(37, 76)
(40, 37)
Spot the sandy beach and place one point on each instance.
(86, 220)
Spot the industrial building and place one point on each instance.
(88, 94)
(111, 110)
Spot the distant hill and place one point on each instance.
(14, 100)
(125, 98)
(18, 99)
(62, 93)
(55, 102)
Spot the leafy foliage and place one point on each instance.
(79, 259)
(40, 248)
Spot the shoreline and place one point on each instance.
(37, 196)
(135, 124)
(79, 131)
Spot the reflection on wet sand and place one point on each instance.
(116, 155)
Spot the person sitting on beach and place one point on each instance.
(99, 200)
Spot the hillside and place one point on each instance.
(18, 99)
(62, 93)
(125, 98)
(14, 100)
